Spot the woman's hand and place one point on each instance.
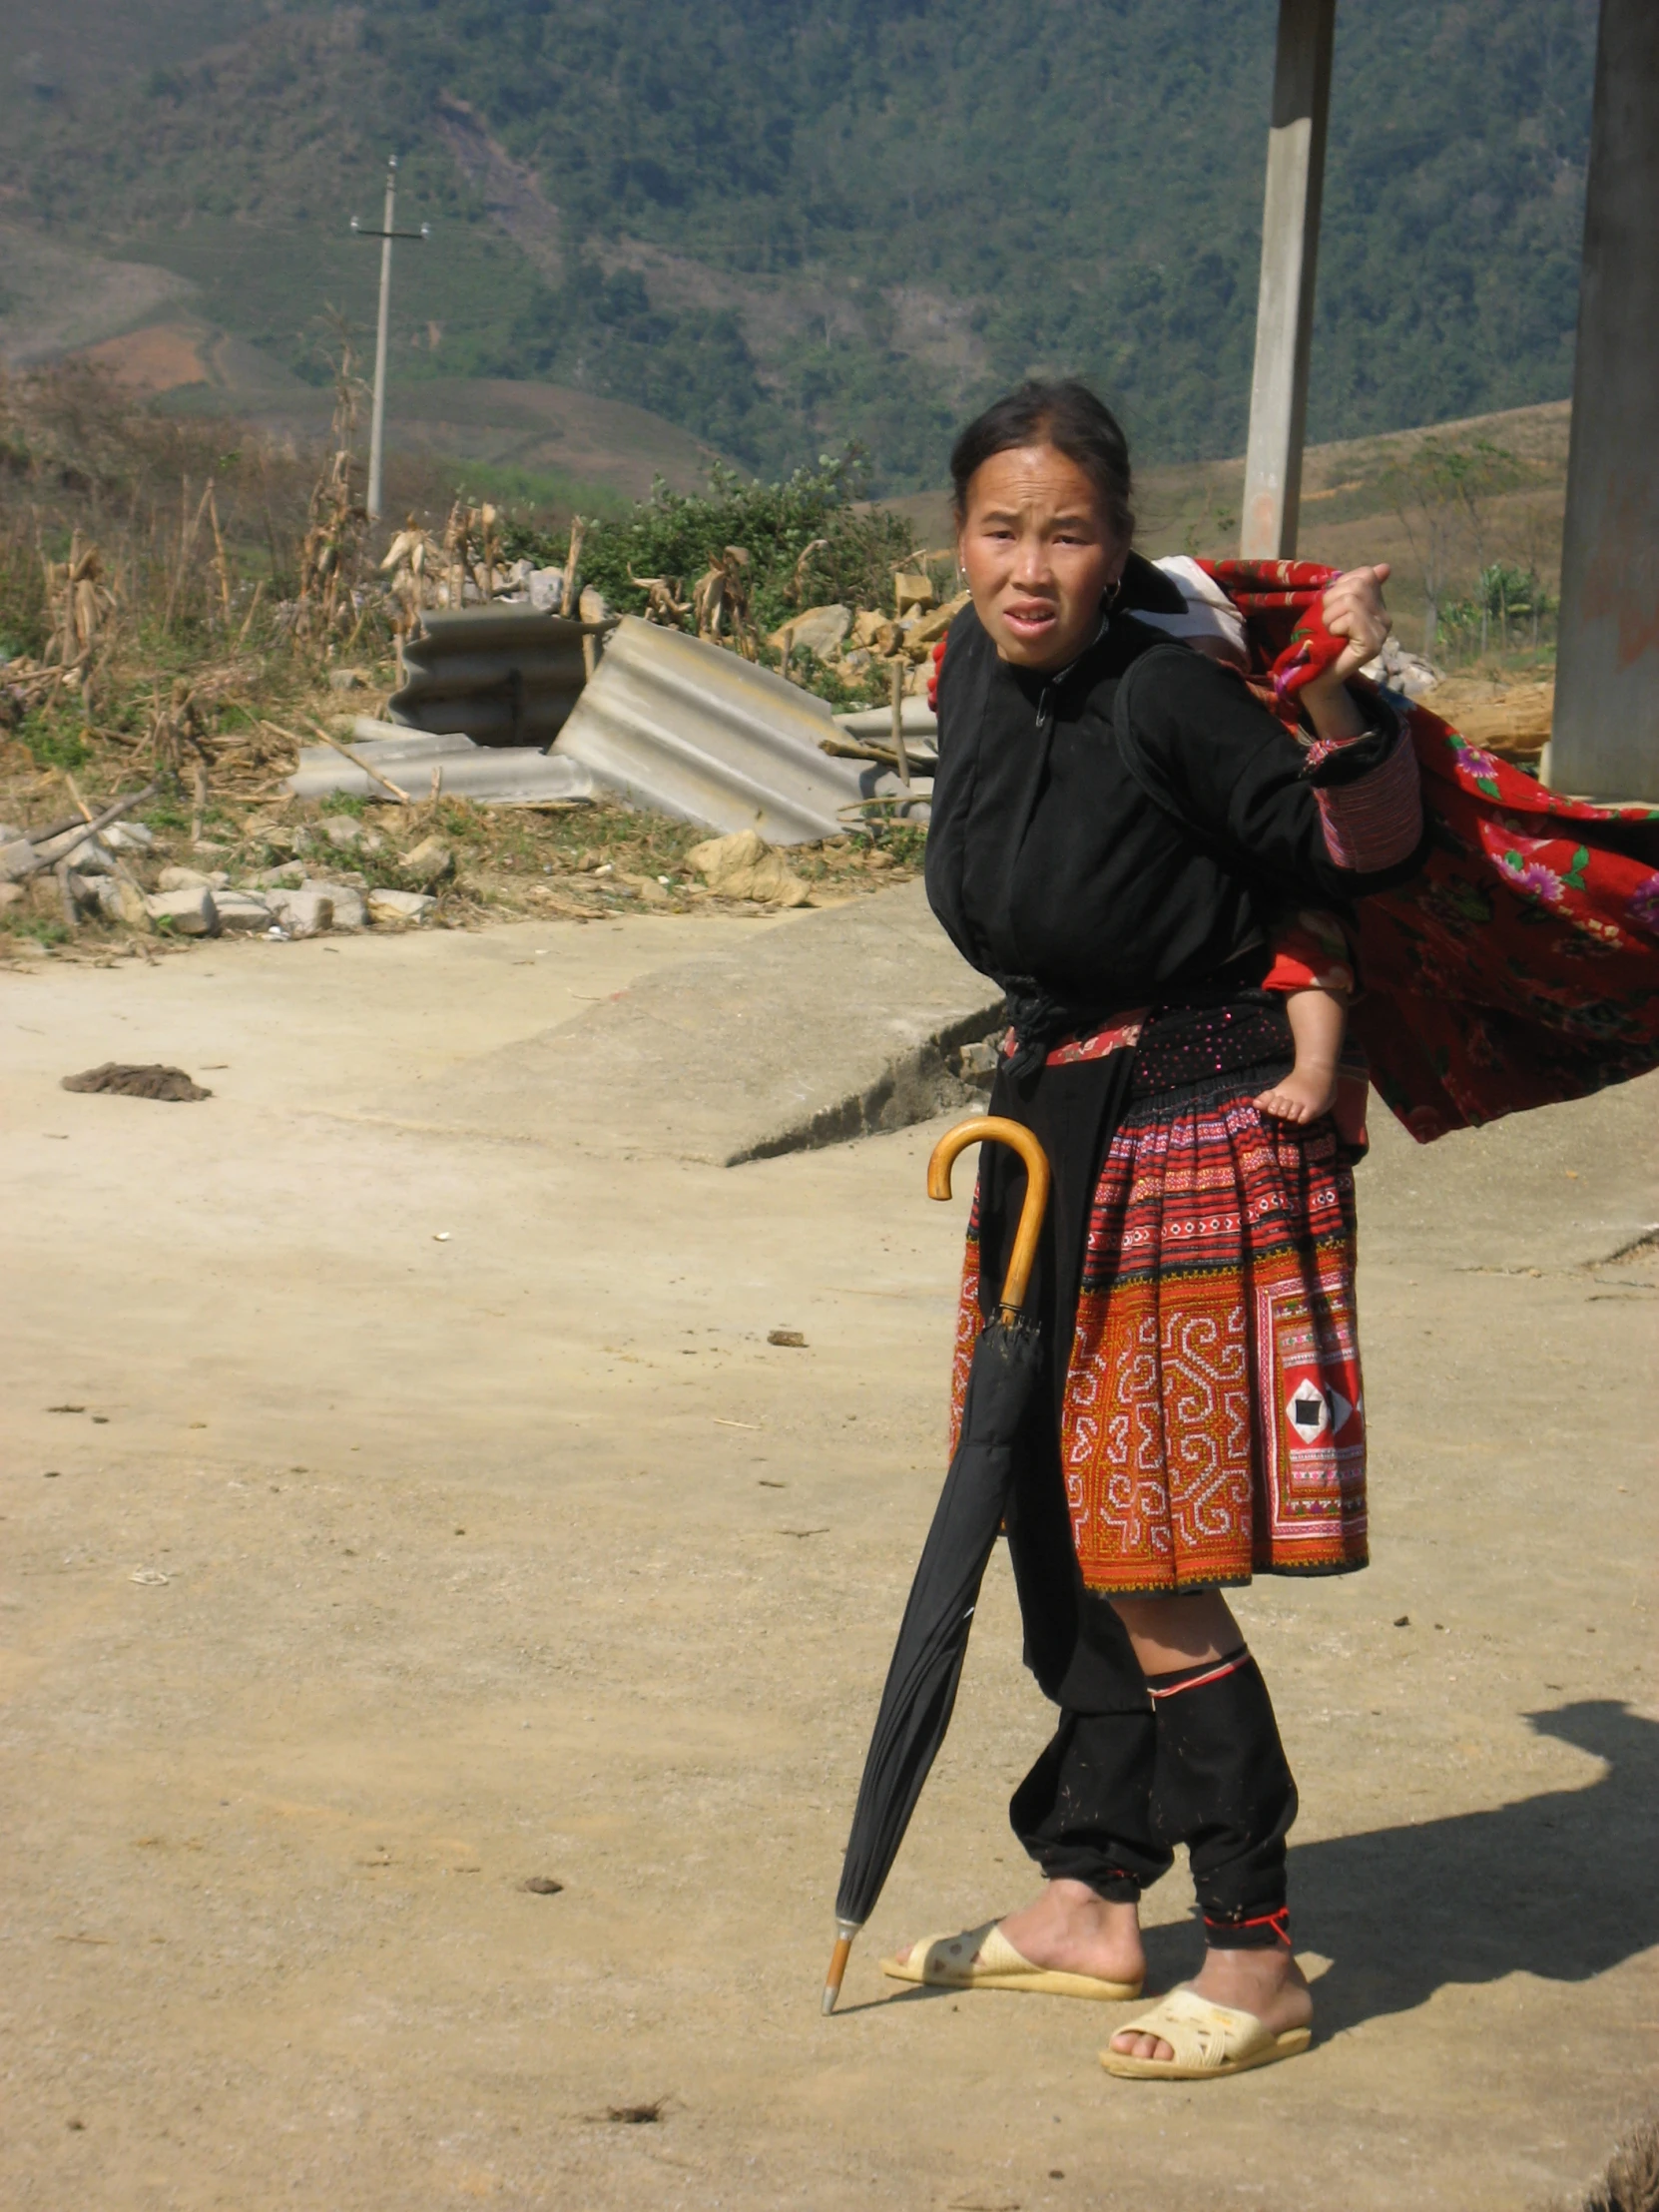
(1352, 609)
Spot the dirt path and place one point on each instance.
(522, 1553)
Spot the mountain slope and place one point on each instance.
(781, 223)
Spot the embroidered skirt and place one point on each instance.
(1210, 1417)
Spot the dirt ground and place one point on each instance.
(393, 1517)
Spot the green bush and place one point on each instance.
(680, 536)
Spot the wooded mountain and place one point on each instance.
(784, 222)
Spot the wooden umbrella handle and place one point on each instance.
(995, 1129)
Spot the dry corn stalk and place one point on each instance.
(336, 519)
(81, 606)
(721, 602)
(664, 606)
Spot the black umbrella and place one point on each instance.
(933, 1639)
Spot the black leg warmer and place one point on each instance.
(1223, 1788)
(1084, 1810)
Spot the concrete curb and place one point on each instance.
(830, 1026)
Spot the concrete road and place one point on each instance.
(392, 1517)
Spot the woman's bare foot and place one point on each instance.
(1071, 1930)
(1268, 1983)
(1302, 1096)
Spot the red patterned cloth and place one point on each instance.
(1213, 1419)
(1521, 966)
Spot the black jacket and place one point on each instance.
(1115, 835)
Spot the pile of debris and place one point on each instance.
(862, 641)
(96, 865)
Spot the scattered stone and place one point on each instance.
(286, 875)
(348, 678)
(646, 887)
(818, 630)
(305, 913)
(427, 862)
(12, 894)
(118, 900)
(188, 911)
(91, 857)
(542, 1886)
(791, 1339)
(18, 858)
(743, 866)
(241, 914)
(350, 907)
(190, 879)
(635, 2115)
(208, 849)
(120, 1079)
(128, 836)
(344, 831)
(927, 629)
(546, 589)
(402, 906)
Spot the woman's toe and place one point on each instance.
(1142, 2046)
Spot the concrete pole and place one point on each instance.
(377, 417)
(1605, 742)
(1290, 256)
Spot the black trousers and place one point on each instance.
(1114, 1793)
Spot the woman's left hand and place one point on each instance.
(1353, 608)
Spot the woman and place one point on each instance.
(1116, 825)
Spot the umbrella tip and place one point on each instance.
(838, 1968)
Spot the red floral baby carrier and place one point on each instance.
(1519, 966)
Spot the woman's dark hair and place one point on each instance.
(1065, 414)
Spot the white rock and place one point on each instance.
(400, 905)
(427, 862)
(546, 588)
(241, 914)
(188, 911)
(17, 859)
(342, 831)
(350, 911)
(743, 866)
(818, 630)
(190, 879)
(288, 875)
(307, 912)
(92, 857)
(119, 901)
(128, 836)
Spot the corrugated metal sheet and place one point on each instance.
(504, 675)
(693, 731)
(490, 776)
(877, 722)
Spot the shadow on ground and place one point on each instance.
(1551, 1886)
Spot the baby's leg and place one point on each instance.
(1318, 1019)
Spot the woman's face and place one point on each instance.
(1037, 553)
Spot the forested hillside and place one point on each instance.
(783, 223)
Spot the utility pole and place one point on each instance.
(1289, 253)
(377, 418)
(1606, 737)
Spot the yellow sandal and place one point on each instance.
(1207, 2040)
(983, 1959)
